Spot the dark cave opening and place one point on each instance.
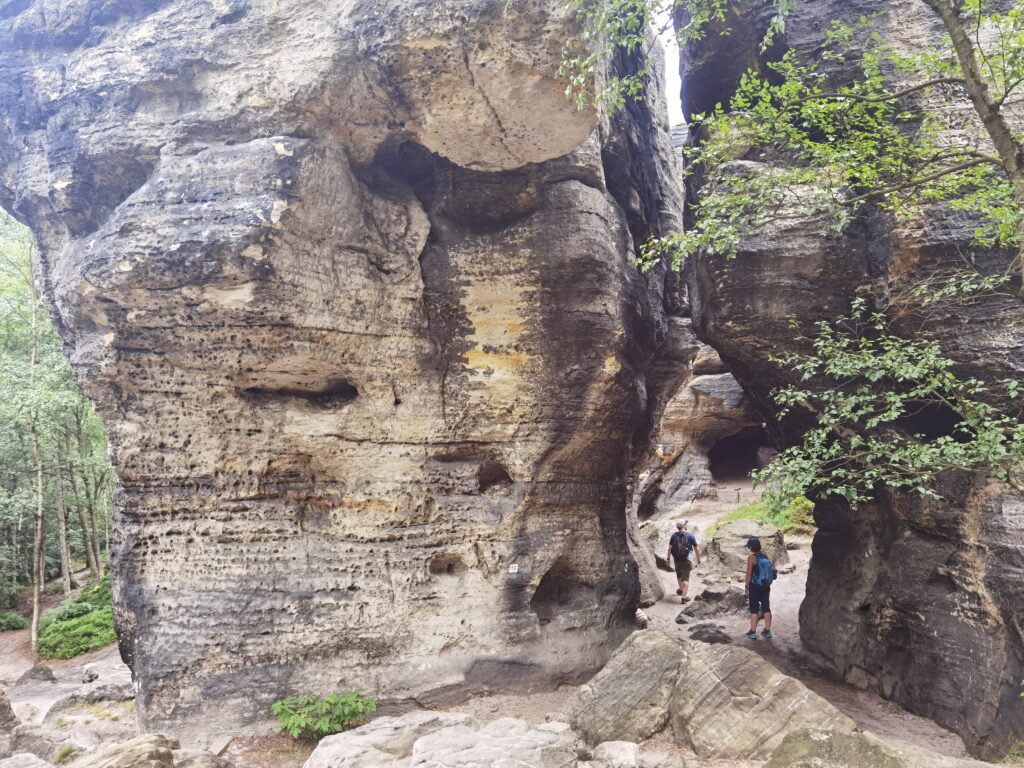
(494, 477)
(447, 564)
(733, 458)
(558, 590)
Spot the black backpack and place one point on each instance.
(681, 546)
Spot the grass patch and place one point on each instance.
(1015, 756)
(65, 752)
(9, 621)
(795, 517)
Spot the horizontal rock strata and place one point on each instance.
(352, 287)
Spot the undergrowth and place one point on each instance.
(313, 717)
(795, 517)
(80, 624)
(10, 621)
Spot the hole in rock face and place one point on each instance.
(334, 393)
(559, 590)
(494, 478)
(447, 565)
(933, 421)
(733, 458)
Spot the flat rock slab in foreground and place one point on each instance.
(451, 740)
(817, 749)
(720, 701)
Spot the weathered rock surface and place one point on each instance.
(447, 741)
(899, 588)
(24, 760)
(726, 556)
(8, 722)
(719, 701)
(816, 749)
(148, 751)
(351, 285)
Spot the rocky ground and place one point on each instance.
(87, 724)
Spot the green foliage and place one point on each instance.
(610, 27)
(313, 717)
(65, 639)
(863, 385)
(796, 515)
(53, 589)
(67, 610)
(98, 593)
(65, 752)
(46, 395)
(1016, 754)
(9, 621)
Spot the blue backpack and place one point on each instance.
(764, 572)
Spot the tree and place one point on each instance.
(814, 148)
(52, 446)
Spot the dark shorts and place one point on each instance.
(683, 568)
(759, 596)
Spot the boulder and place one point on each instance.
(726, 557)
(628, 700)
(710, 633)
(35, 739)
(24, 760)
(720, 701)
(146, 751)
(92, 694)
(808, 748)
(730, 703)
(8, 722)
(446, 740)
(89, 673)
(40, 672)
(616, 754)
(383, 738)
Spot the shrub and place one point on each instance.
(97, 594)
(10, 621)
(795, 516)
(67, 610)
(53, 589)
(64, 639)
(312, 717)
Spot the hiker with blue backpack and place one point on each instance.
(758, 587)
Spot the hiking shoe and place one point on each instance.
(684, 600)
(679, 591)
(767, 634)
(751, 635)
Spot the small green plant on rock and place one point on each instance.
(12, 621)
(313, 717)
(65, 753)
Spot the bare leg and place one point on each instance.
(684, 587)
(753, 622)
(768, 620)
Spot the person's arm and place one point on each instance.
(750, 570)
(696, 548)
(668, 555)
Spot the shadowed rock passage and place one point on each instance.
(352, 287)
(915, 598)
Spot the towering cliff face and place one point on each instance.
(920, 600)
(351, 285)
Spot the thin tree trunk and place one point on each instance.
(1011, 151)
(37, 550)
(62, 519)
(91, 556)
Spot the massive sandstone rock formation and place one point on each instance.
(351, 285)
(920, 600)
